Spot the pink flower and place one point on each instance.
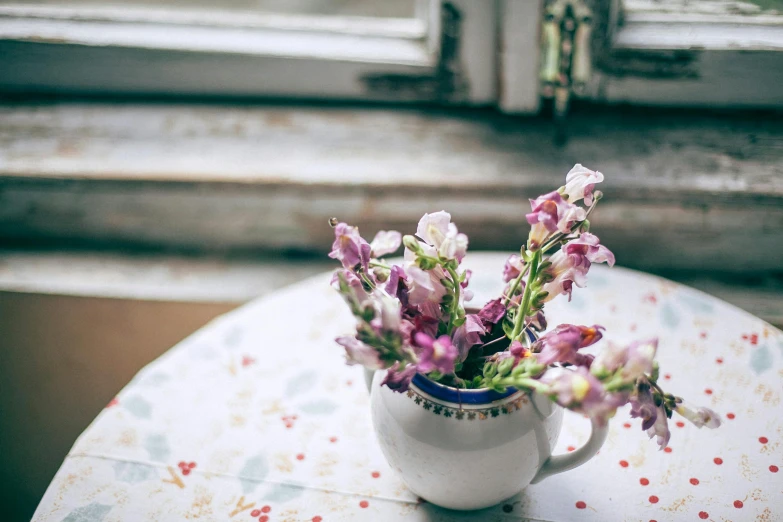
(562, 343)
(435, 354)
(636, 359)
(425, 287)
(350, 248)
(355, 289)
(385, 243)
(641, 357)
(580, 391)
(571, 264)
(551, 213)
(357, 352)
(513, 267)
(580, 183)
(467, 335)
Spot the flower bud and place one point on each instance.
(333, 222)
(411, 244)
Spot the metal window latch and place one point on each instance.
(565, 52)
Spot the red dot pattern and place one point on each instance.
(580, 505)
(263, 518)
(626, 425)
(738, 504)
(644, 482)
(694, 481)
(704, 515)
(763, 440)
(255, 512)
(300, 456)
(653, 499)
(680, 424)
(364, 504)
(719, 360)
(718, 461)
(773, 468)
(730, 416)
(570, 448)
(708, 391)
(667, 449)
(376, 474)
(266, 509)
(317, 519)
(624, 463)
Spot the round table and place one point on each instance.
(256, 417)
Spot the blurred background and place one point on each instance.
(162, 162)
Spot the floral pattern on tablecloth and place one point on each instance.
(256, 418)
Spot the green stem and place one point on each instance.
(526, 383)
(557, 237)
(380, 265)
(522, 311)
(515, 285)
(455, 303)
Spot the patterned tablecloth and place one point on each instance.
(256, 417)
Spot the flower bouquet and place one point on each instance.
(412, 318)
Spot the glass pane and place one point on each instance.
(369, 8)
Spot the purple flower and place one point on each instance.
(699, 416)
(467, 335)
(492, 313)
(551, 213)
(435, 354)
(513, 267)
(643, 406)
(609, 359)
(395, 285)
(571, 263)
(385, 242)
(660, 428)
(580, 183)
(562, 343)
(357, 352)
(350, 248)
(399, 379)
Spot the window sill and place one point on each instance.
(683, 191)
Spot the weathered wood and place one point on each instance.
(700, 192)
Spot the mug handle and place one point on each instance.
(368, 376)
(560, 463)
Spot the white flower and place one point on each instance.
(388, 309)
(580, 182)
(699, 416)
(385, 243)
(454, 245)
(434, 227)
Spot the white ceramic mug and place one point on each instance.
(470, 449)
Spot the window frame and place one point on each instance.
(445, 54)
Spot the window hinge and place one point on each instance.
(565, 48)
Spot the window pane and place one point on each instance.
(370, 8)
